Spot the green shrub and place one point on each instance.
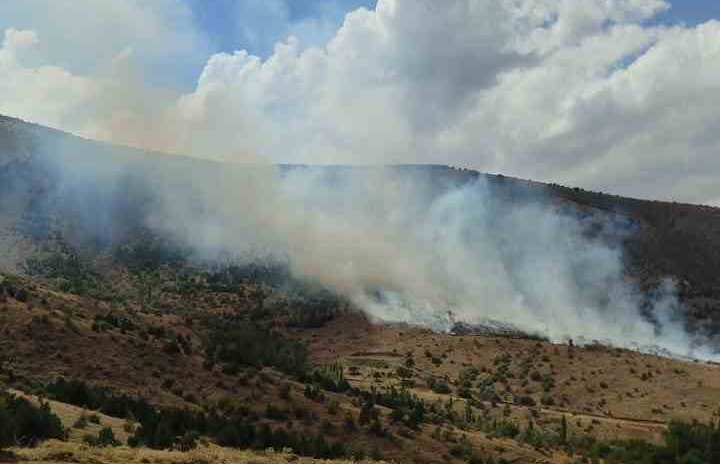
(23, 421)
(526, 400)
(106, 437)
(189, 441)
(439, 386)
(234, 344)
(506, 428)
(81, 423)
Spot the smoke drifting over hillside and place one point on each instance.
(402, 252)
(404, 243)
(514, 85)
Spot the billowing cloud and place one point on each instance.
(45, 94)
(581, 92)
(83, 37)
(259, 24)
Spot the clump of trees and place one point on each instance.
(101, 399)
(437, 385)
(330, 377)
(180, 428)
(685, 443)
(149, 251)
(312, 308)
(106, 437)
(407, 407)
(236, 344)
(65, 264)
(23, 423)
(10, 288)
(229, 278)
(108, 321)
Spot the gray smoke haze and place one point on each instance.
(403, 243)
(404, 250)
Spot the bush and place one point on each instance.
(506, 428)
(349, 423)
(273, 413)
(189, 441)
(526, 400)
(235, 344)
(66, 265)
(106, 437)
(229, 436)
(685, 443)
(24, 422)
(438, 386)
(81, 423)
(330, 377)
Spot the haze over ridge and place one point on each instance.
(588, 93)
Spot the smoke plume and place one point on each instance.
(402, 248)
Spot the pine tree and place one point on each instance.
(163, 437)
(7, 428)
(469, 416)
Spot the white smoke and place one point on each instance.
(404, 250)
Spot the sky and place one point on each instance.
(257, 25)
(691, 12)
(611, 95)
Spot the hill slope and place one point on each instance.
(99, 311)
(401, 392)
(54, 184)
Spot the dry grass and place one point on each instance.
(606, 393)
(603, 393)
(56, 452)
(69, 415)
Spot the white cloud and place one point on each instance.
(46, 94)
(581, 92)
(83, 36)
(258, 25)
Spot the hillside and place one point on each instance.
(102, 314)
(75, 449)
(101, 194)
(398, 392)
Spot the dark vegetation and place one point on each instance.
(685, 443)
(147, 250)
(236, 345)
(22, 423)
(180, 428)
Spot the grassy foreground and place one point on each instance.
(54, 451)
